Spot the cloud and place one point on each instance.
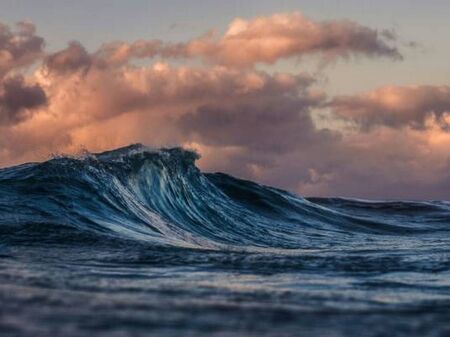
(119, 53)
(18, 99)
(389, 163)
(19, 48)
(252, 123)
(265, 39)
(396, 106)
(179, 104)
(106, 92)
(269, 39)
(69, 60)
(272, 123)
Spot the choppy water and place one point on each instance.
(139, 242)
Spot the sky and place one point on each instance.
(323, 98)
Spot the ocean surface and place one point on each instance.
(139, 242)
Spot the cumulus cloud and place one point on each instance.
(273, 123)
(106, 92)
(248, 122)
(265, 39)
(269, 39)
(73, 58)
(19, 48)
(396, 106)
(183, 104)
(18, 99)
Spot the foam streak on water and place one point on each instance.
(136, 241)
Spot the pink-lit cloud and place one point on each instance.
(265, 39)
(269, 39)
(19, 48)
(243, 120)
(396, 106)
(18, 100)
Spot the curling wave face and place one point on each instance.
(160, 196)
(120, 221)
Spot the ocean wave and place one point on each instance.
(160, 197)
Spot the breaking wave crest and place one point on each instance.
(160, 197)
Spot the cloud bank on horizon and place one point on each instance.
(212, 94)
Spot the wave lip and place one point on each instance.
(159, 196)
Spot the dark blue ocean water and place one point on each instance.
(139, 242)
